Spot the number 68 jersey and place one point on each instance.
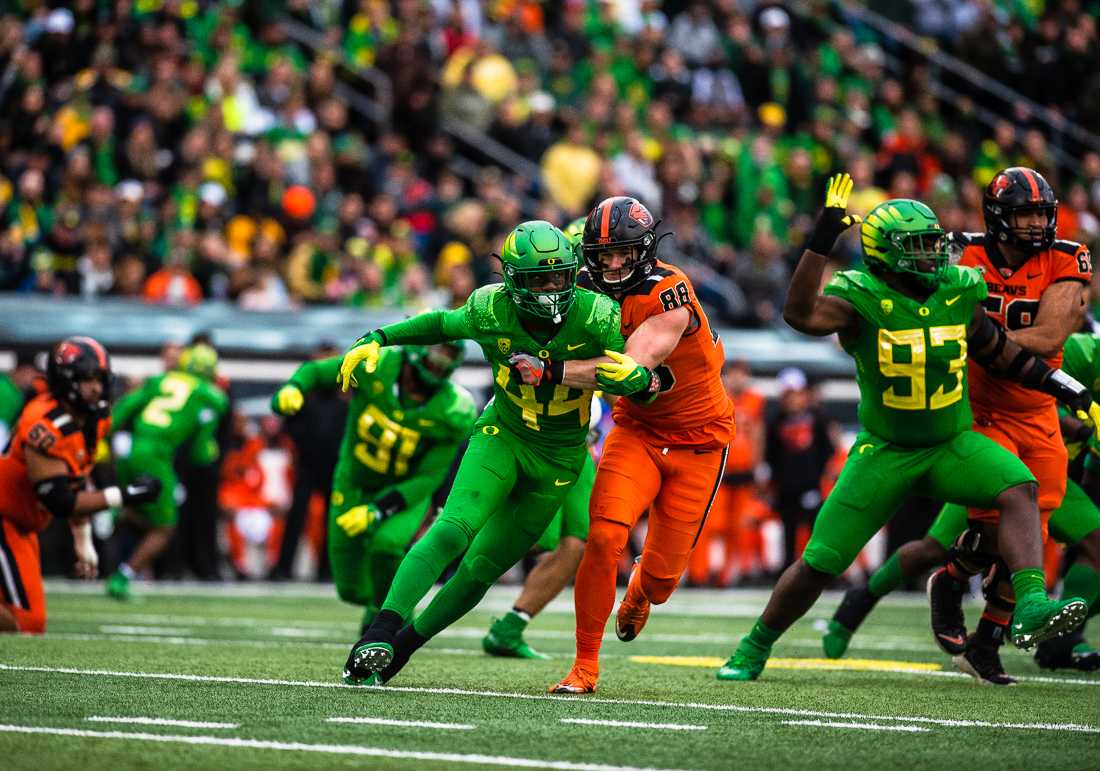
(911, 356)
(1013, 302)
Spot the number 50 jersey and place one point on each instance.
(911, 356)
(1013, 301)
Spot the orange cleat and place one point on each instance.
(581, 679)
(634, 609)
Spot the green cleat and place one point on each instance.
(118, 586)
(373, 678)
(836, 639)
(742, 668)
(506, 640)
(1039, 620)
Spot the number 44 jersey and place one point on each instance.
(911, 356)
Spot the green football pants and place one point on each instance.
(572, 517)
(363, 566)
(968, 469)
(1069, 523)
(152, 458)
(505, 494)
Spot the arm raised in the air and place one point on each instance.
(806, 309)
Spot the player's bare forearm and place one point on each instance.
(581, 373)
(651, 344)
(809, 311)
(1061, 313)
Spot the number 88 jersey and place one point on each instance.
(911, 355)
(1013, 301)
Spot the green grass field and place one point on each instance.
(257, 669)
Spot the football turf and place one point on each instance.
(253, 673)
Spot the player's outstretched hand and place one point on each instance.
(366, 350)
(527, 369)
(358, 519)
(622, 375)
(143, 489)
(288, 400)
(834, 218)
(1092, 418)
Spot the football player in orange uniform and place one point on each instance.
(44, 474)
(668, 448)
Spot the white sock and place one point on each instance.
(126, 570)
(523, 615)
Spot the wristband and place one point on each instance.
(555, 372)
(113, 496)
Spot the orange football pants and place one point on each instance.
(1036, 439)
(677, 485)
(21, 588)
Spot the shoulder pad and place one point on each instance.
(481, 307)
(966, 276)
(847, 280)
(219, 399)
(1066, 246)
(603, 309)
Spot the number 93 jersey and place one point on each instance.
(911, 355)
(1013, 301)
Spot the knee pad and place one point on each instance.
(351, 595)
(450, 535)
(607, 538)
(657, 590)
(482, 570)
(824, 559)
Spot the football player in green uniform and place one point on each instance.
(1076, 523)
(404, 425)
(562, 545)
(528, 446)
(910, 321)
(181, 407)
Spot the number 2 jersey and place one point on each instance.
(171, 410)
(1013, 301)
(911, 355)
(692, 407)
(388, 440)
(47, 427)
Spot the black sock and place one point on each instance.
(385, 625)
(990, 633)
(407, 642)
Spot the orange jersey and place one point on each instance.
(47, 427)
(748, 410)
(1013, 302)
(693, 407)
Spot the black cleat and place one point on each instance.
(1069, 652)
(983, 663)
(945, 596)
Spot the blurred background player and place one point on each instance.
(405, 422)
(736, 518)
(1036, 287)
(170, 411)
(17, 387)
(668, 448)
(44, 474)
(527, 449)
(909, 321)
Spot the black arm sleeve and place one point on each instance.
(57, 496)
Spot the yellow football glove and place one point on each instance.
(622, 375)
(1092, 418)
(834, 219)
(288, 400)
(358, 520)
(366, 351)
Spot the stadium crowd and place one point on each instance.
(180, 151)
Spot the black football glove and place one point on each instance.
(834, 218)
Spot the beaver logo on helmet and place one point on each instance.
(72, 361)
(999, 185)
(640, 214)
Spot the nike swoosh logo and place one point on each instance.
(1036, 275)
(575, 347)
(953, 300)
(863, 447)
(955, 640)
(560, 483)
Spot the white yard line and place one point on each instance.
(159, 721)
(167, 631)
(1072, 727)
(332, 749)
(633, 724)
(403, 723)
(862, 726)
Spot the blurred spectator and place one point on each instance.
(798, 448)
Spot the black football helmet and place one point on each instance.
(619, 222)
(1019, 189)
(73, 360)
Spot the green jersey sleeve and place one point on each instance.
(131, 404)
(606, 319)
(318, 374)
(212, 404)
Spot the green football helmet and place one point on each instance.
(540, 270)
(574, 231)
(434, 364)
(904, 236)
(199, 360)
